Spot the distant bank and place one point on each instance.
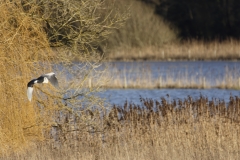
(194, 50)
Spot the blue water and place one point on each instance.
(119, 96)
(216, 67)
(211, 70)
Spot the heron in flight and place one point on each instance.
(42, 79)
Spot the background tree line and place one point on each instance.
(201, 19)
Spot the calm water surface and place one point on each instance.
(119, 96)
(211, 70)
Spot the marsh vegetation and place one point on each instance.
(72, 122)
(185, 50)
(199, 128)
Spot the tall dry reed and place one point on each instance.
(199, 128)
(143, 75)
(186, 50)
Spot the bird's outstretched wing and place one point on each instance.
(30, 88)
(29, 93)
(52, 78)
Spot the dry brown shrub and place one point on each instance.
(78, 25)
(23, 44)
(26, 53)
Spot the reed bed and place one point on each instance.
(138, 75)
(187, 50)
(199, 128)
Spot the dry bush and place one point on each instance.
(78, 25)
(26, 53)
(143, 29)
(23, 45)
